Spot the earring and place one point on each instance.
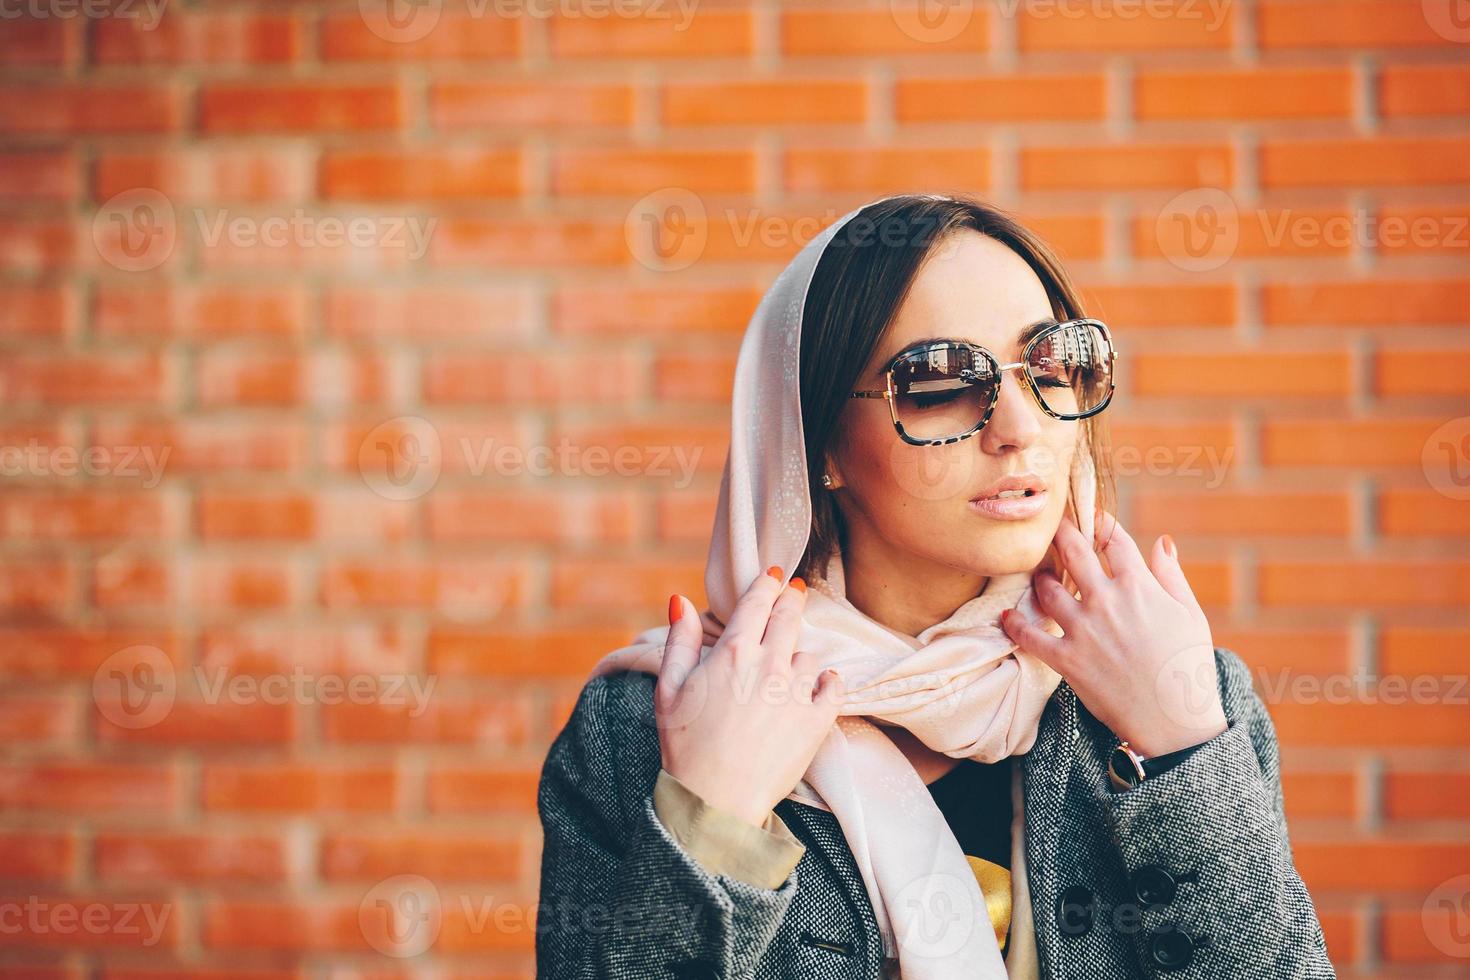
(827, 480)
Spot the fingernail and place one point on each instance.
(676, 609)
(798, 583)
(775, 572)
(1170, 549)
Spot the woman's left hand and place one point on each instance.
(1137, 648)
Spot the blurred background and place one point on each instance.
(366, 372)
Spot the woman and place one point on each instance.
(977, 733)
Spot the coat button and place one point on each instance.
(1170, 948)
(1152, 885)
(1075, 910)
(695, 970)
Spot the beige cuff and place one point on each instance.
(763, 856)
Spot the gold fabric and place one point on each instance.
(763, 856)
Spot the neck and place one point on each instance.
(905, 593)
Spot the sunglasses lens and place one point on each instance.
(943, 392)
(1071, 368)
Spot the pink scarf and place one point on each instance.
(961, 686)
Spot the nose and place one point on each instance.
(1016, 421)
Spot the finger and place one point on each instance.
(753, 610)
(829, 692)
(1050, 650)
(806, 670)
(1170, 573)
(1057, 602)
(784, 625)
(1118, 545)
(681, 650)
(1078, 559)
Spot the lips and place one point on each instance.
(1028, 484)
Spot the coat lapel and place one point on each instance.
(1046, 770)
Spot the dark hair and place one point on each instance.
(859, 283)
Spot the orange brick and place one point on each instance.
(427, 313)
(318, 788)
(1388, 161)
(92, 108)
(524, 242)
(1145, 304)
(120, 311)
(1366, 303)
(533, 377)
(1231, 514)
(1320, 795)
(180, 38)
(326, 378)
(637, 172)
(38, 855)
(479, 588)
(1344, 442)
(37, 311)
(317, 926)
(1421, 513)
(88, 787)
(37, 719)
(1097, 168)
(85, 379)
(1188, 231)
(893, 169)
(499, 723)
(1000, 98)
(244, 108)
(232, 721)
(899, 28)
(533, 517)
(656, 32)
(1426, 795)
(1105, 27)
(670, 310)
(815, 101)
(642, 584)
(439, 858)
(188, 858)
(563, 654)
(1415, 230)
(1424, 90)
(210, 174)
(86, 516)
(1422, 650)
(504, 789)
(363, 36)
(1396, 584)
(1267, 93)
(1252, 374)
(29, 246)
(1343, 24)
(459, 174)
(39, 175)
(1376, 866)
(456, 106)
(199, 444)
(34, 41)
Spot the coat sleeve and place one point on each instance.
(1209, 859)
(619, 897)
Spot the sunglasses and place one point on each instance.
(945, 391)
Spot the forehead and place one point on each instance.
(970, 288)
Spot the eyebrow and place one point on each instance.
(1023, 337)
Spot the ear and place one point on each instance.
(833, 470)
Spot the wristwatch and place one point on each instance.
(1126, 768)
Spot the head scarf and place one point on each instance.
(961, 685)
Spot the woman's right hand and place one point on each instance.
(741, 728)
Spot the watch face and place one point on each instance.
(1123, 769)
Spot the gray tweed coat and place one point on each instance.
(1189, 875)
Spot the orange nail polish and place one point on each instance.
(1170, 548)
(798, 583)
(775, 572)
(676, 609)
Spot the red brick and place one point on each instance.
(244, 108)
(31, 311)
(283, 789)
(44, 856)
(358, 856)
(81, 379)
(190, 38)
(88, 787)
(455, 105)
(363, 36)
(894, 29)
(188, 858)
(816, 101)
(656, 32)
(1000, 98)
(532, 517)
(635, 172)
(670, 310)
(1365, 303)
(77, 109)
(212, 311)
(39, 175)
(504, 789)
(212, 174)
(894, 169)
(1133, 166)
(442, 175)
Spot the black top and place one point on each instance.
(975, 798)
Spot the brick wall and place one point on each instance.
(350, 349)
